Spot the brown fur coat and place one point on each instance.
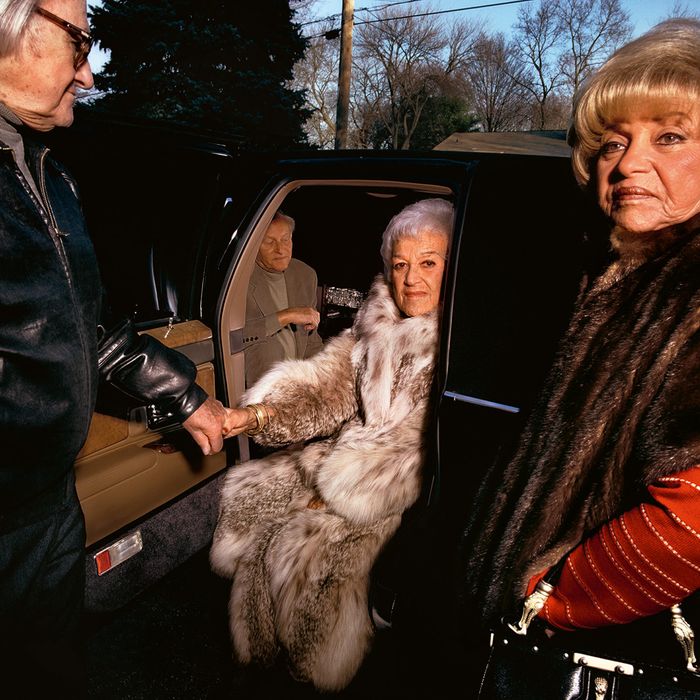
(300, 575)
(621, 408)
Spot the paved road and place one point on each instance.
(172, 642)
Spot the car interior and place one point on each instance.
(338, 230)
(136, 469)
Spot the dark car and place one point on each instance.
(176, 220)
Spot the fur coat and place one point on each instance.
(621, 408)
(301, 574)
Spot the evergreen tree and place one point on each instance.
(443, 116)
(218, 65)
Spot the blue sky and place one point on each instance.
(499, 17)
(644, 13)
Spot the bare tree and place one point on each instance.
(681, 9)
(408, 50)
(403, 61)
(369, 107)
(496, 76)
(461, 39)
(593, 29)
(560, 43)
(538, 38)
(317, 72)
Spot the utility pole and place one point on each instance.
(343, 109)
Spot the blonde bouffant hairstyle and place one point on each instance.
(658, 71)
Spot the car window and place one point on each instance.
(519, 267)
(516, 274)
(147, 224)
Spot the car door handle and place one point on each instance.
(162, 446)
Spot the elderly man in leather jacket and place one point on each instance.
(52, 354)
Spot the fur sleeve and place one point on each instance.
(671, 428)
(313, 398)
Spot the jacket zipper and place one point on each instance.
(53, 224)
(57, 235)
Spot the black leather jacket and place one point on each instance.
(49, 340)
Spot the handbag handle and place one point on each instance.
(534, 603)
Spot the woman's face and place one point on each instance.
(417, 265)
(648, 170)
(38, 81)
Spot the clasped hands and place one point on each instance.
(212, 422)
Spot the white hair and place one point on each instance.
(15, 16)
(434, 214)
(281, 216)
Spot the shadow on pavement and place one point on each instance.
(172, 642)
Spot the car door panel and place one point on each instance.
(511, 290)
(126, 469)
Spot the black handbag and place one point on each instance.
(525, 663)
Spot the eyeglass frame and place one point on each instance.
(82, 40)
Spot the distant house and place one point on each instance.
(529, 142)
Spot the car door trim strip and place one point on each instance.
(480, 402)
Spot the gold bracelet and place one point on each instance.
(258, 421)
(253, 430)
(262, 418)
(263, 415)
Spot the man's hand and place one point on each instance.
(300, 315)
(206, 425)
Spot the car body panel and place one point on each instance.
(177, 219)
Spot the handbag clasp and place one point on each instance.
(601, 664)
(532, 606)
(685, 636)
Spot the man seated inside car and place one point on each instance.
(281, 315)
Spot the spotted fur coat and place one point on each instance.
(300, 574)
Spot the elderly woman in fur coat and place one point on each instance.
(299, 530)
(609, 466)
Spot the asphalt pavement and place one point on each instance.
(173, 642)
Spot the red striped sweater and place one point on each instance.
(635, 565)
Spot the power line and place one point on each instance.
(333, 32)
(442, 12)
(360, 9)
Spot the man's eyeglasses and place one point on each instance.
(81, 39)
